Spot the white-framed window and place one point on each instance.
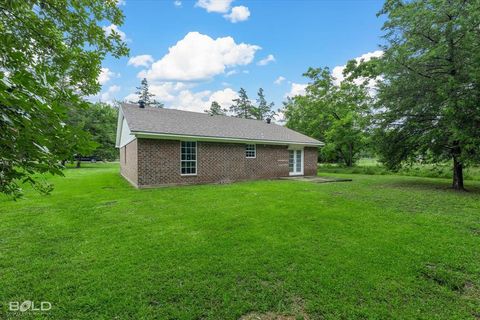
(250, 151)
(188, 160)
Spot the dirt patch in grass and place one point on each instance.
(266, 316)
(475, 230)
(108, 203)
(298, 313)
(444, 276)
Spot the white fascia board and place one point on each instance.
(170, 136)
(119, 127)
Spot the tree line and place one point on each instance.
(418, 102)
(243, 107)
(424, 105)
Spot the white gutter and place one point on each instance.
(171, 136)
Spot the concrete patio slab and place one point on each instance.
(316, 179)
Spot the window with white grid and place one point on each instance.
(188, 160)
(250, 151)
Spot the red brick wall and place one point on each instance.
(159, 162)
(310, 163)
(129, 162)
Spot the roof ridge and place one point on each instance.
(196, 112)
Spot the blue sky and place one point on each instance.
(194, 52)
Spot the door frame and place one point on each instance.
(296, 149)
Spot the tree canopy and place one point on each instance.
(263, 110)
(244, 108)
(336, 114)
(428, 102)
(216, 109)
(98, 124)
(51, 59)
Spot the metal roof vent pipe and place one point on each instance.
(268, 120)
(141, 104)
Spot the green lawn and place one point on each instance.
(373, 166)
(384, 247)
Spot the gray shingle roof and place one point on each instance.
(177, 122)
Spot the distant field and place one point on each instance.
(372, 166)
(379, 247)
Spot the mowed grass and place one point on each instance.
(379, 247)
(371, 166)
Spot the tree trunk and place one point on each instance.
(63, 162)
(350, 155)
(78, 163)
(457, 175)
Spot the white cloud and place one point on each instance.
(105, 75)
(166, 91)
(266, 60)
(142, 60)
(223, 97)
(142, 74)
(177, 95)
(132, 97)
(279, 80)
(109, 29)
(191, 101)
(177, 3)
(200, 101)
(297, 89)
(219, 6)
(199, 57)
(238, 14)
(108, 95)
(337, 72)
(231, 72)
(163, 91)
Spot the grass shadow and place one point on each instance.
(471, 187)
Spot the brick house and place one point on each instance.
(168, 147)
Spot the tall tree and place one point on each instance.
(77, 121)
(143, 92)
(242, 107)
(51, 58)
(336, 114)
(428, 103)
(263, 109)
(101, 124)
(216, 109)
(96, 124)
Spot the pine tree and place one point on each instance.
(242, 107)
(263, 110)
(147, 97)
(216, 109)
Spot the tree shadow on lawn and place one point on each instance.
(88, 165)
(432, 184)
